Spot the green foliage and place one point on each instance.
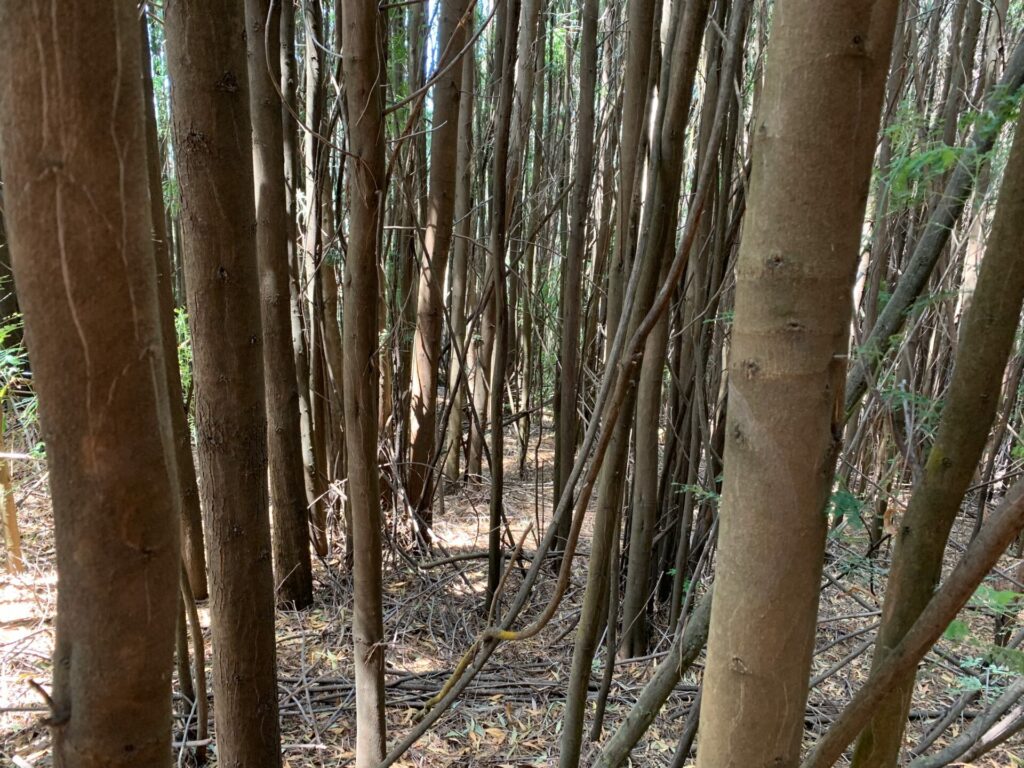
(884, 294)
(957, 631)
(184, 348)
(926, 411)
(172, 196)
(17, 400)
(931, 299)
(911, 175)
(844, 505)
(726, 317)
(700, 493)
(996, 660)
(13, 357)
(998, 601)
(1009, 658)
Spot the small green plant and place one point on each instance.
(17, 400)
(184, 349)
(701, 494)
(997, 661)
(844, 505)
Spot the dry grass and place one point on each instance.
(511, 715)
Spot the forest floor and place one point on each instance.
(511, 714)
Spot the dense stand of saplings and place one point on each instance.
(752, 267)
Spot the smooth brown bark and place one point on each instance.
(461, 250)
(814, 138)
(364, 77)
(73, 151)
(206, 60)
(569, 350)
(499, 302)
(426, 345)
(292, 568)
(192, 549)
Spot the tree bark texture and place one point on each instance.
(206, 60)
(73, 152)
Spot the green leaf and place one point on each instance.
(957, 631)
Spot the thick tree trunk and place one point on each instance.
(292, 567)
(74, 158)
(986, 338)
(192, 553)
(364, 76)
(210, 109)
(814, 138)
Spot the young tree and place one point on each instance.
(505, 54)
(73, 151)
(192, 545)
(461, 250)
(284, 442)
(206, 61)
(655, 245)
(986, 338)
(572, 271)
(364, 77)
(814, 139)
(426, 345)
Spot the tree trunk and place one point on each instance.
(461, 250)
(662, 195)
(312, 246)
(815, 139)
(300, 348)
(364, 76)
(645, 491)
(569, 350)
(986, 338)
(192, 552)
(499, 304)
(74, 161)
(437, 241)
(292, 567)
(211, 119)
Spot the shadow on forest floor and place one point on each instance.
(511, 714)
